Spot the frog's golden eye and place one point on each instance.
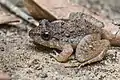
(46, 35)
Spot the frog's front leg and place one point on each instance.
(91, 49)
(63, 56)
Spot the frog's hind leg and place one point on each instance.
(90, 49)
(64, 55)
(101, 52)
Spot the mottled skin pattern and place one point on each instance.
(81, 33)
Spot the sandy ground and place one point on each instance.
(23, 60)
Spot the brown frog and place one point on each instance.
(80, 34)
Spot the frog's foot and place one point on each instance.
(64, 55)
(72, 64)
(90, 51)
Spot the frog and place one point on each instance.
(80, 35)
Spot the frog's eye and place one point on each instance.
(46, 35)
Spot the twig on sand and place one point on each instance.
(17, 11)
(8, 19)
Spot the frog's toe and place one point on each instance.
(56, 53)
(64, 55)
(53, 55)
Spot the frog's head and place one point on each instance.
(43, 31)
(43, 34)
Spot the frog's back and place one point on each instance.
(72, 31)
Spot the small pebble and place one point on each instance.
(43, 75)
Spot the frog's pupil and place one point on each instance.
(45, 35)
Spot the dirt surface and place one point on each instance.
(23, 60)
